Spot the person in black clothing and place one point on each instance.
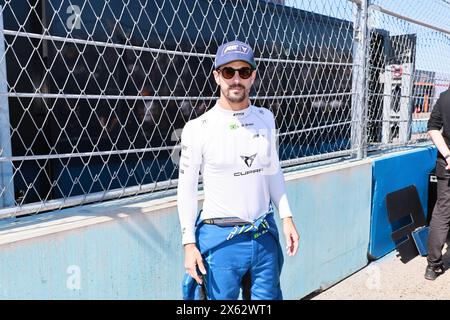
(440, 219)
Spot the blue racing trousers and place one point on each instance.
(247, 258)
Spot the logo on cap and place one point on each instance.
(237, 48)
(234, 50)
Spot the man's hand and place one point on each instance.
(441, 145)
(291, 235)
(192, 259)
(447, 167)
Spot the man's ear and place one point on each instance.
(216, 77)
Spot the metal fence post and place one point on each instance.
(359, 80)
(6, 170)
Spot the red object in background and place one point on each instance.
(397, 71)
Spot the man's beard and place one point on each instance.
(235, 99)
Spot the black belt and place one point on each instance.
(226, 222)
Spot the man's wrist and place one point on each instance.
(187, 245)
(447, 156)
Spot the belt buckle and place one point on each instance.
(208, 221)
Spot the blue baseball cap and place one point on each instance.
(232, 51)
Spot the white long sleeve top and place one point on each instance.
(235, 151)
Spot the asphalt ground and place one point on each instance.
(388, 278)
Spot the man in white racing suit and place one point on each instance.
(233, 243)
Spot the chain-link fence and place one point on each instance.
(95, 93)
(408, 68)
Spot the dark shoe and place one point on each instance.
(431, 273)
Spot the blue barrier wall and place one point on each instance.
(130, 248)
(115, 250)
(392, 172)
(333, 214)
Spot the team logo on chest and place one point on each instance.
(249, 159)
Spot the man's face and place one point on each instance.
(236, 89)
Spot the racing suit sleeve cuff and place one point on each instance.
(188, 237)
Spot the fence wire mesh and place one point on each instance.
(408, 69)
(95, 93)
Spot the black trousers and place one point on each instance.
(440, 220)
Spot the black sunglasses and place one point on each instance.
(228, 72)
